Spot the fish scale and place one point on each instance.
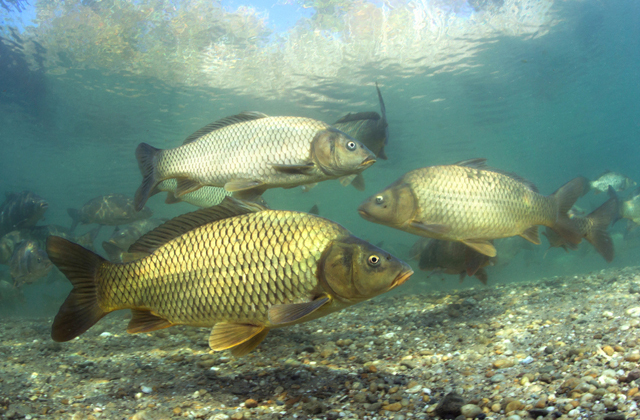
(210, 269)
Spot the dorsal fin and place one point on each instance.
(481, 163)
(179, 225)
(359, 117)
(225, 122)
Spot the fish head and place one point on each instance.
(29, 262)
(393, 206)
(337, 153)
(353, 270)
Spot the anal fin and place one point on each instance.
(531, 235)
(145, 321)
(226, 335)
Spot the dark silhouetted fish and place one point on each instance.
(122, 239)
(454, 258)
(20, 210)
(28, 263)
(110, 210)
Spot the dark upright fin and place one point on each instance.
(481, 275)
(226, 335)
(472, 261)
(566, 196)
(145, 321)
(292, 312)
(477, 163)
(358, 116)
(600, 219)
(383, 111)
(113, 251)
(382, 154)
(75, 216)
(81, 310)
(177, 226)
(314, 210)
(146, 155)
(225, 122)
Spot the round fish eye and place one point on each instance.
(379, 199)
(351, 145)
(374, 260)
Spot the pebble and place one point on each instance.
(392, 407)
(608, 350)
(470, 411)
(251, 403)
(513, 406)
(497, 378)
(503, 363)
(514, 417)
(450, 405)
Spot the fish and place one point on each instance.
(472, 203)
(370, 128)
(509, 248)
(19, 210)
(121, 239)
(453, 257)
(251, 152)
(593, 228)
(630, 208)
(29, 263)
(236, 267)
(110, 210)
(617, 181)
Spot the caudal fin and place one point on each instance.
(81, 310)
(566, 196)
(597, 235)
(145, 155)
(75, 216)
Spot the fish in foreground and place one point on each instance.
(473, 204)
(20, 210)
(251, 152)
(454, 258)
(593, 228)
(28, 263)
(237, 267)
(110, 210)
(617, 181)
(370, 128)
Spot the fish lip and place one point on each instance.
(364, 214)
(370, 160)
(401, 278)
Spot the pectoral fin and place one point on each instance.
(358, 182)
(226, 335)
(292, 312)
(346, 180)
(482, 246)
(531, 235)
(430, 229)
(295, 169)
(242, 185)
(145, 321)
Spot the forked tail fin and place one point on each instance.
(600, 219)
(81, 310)
(145, 155)
(566, 196)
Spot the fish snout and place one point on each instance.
(368, 161)
(402, 277)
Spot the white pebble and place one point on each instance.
(574, 413)
(414, 390)
(106, 334)
(635, 311)
(526, 360)
(146, 389)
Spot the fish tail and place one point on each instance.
(81, 310)
(566, 196)
(146, 162)
(600, 219)
(75, 216)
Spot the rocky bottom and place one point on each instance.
(558, 348)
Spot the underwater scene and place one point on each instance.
(319, 209)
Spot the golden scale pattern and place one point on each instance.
(478, 204)
(228, 270)
(245, 150)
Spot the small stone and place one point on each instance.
(514, 417)
(542, 402)
(237, 416)
(496, 408)
(146, 389)
(513, 406)
(608, 350)
(503, 363)
(414, 390)
(615, 416)
(373, 407)
(497, 378)
(409, 364)
(177, 411)
(251, 403)
(470, 411)
(549, 350)
(632, 357)
(392, 407)
(219, 416)
(360, 397)
(633, 375)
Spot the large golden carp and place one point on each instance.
(473, 204)
(237, 267)
(251, 152)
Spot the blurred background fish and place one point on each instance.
(23, 209)
(110, 209)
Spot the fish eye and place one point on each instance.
(379, 199)
(351, 145)
(374, 260)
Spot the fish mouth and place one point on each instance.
(368, 162)
(364, 214)
(401, 278)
